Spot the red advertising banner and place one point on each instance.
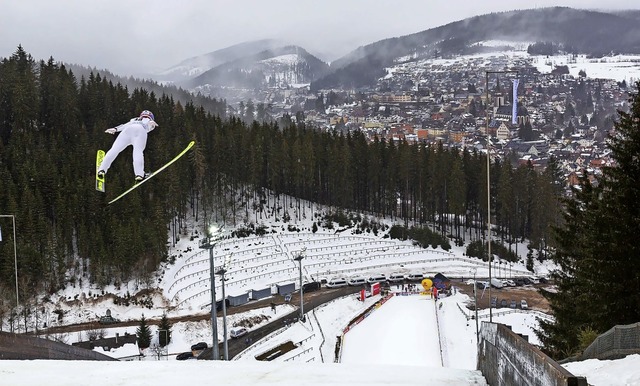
(375, 288)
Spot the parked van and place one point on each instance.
(336, 282)
(534, 279)
(497, 283)
(237, 332)
(396, 277)
(415, 276)
(357, 280)
(375, 278)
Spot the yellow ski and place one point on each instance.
(99, 181)
(189, 146)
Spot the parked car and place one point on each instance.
(237, 332)
(496, 283)
(503, 303)
(519, 281)
(513, 304)
(199, 346)
(509, 283)
(309, 287)
(524, 305)
(184, 356)
(482, 284)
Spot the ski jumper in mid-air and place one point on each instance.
(132, 133)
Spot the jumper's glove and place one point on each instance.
(110, 131)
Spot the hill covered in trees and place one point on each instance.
(579, 31)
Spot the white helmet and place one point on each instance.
(147, 114)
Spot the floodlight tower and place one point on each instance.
(214, 233)
(486, 113)
(299, 258)
(225, 342)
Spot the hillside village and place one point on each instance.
(443, 100)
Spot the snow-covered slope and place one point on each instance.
(192, 67)
(276, 67)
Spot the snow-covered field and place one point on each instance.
(616, 67)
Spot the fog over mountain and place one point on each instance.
(594, 33)
(197, 65)
(144, 37)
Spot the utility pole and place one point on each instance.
(225, 342)
(486, 113)
(213, 236)
(299, 258)
(475, 303)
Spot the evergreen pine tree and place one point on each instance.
(320, 104)
(143, 333)
(597, 244)
(618, 253)
(249, 112)
(569, 303)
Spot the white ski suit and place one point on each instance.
(132, 133)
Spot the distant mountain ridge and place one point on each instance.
(271, 67)
(256, 64)
(192, 67)
(580, 31)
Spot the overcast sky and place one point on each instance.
(134, 37)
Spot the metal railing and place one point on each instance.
(619, 341)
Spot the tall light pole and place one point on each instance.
(213, 236)
(299, 258)
(475, 302)
(15, 255)
(486, 113)
(225, 343)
